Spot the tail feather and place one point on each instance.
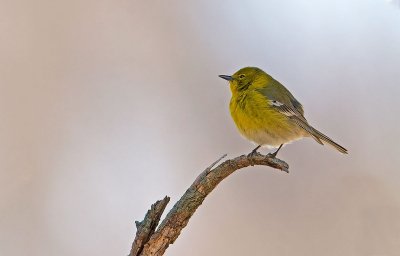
(317, 135)
(328, 140)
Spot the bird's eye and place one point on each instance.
(241, 76)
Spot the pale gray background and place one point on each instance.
(108, 105)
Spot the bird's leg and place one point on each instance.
(254, 151)
(276, 152)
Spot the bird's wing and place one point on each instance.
(283, 101)
(276, 91)
(294, 115)
(287, 110)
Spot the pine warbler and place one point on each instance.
(266, 113)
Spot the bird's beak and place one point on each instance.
(228, 78)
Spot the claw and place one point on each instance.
(252, 153)
(276, 152)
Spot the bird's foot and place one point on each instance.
(273, 155)
(252, 153)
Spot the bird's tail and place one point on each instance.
(323, 139)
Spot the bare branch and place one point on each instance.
(179, 215)
(146, 227)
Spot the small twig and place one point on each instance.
(179, 215)
(216, 162)
(148, 225)
(207, 170)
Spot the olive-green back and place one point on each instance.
(276, 91)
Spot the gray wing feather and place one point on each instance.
(276, 91)
(295, 116)
(283, 101)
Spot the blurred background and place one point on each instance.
(107, 106)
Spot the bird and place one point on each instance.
(266, 113)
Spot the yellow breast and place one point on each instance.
(259, 122)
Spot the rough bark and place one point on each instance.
(147, 227)
(150, 242)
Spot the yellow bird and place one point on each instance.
(266, 113)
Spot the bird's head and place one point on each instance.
(245, 78)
